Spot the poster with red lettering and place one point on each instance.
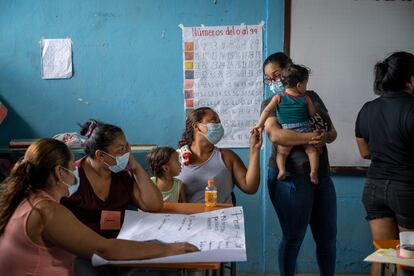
(222, 69)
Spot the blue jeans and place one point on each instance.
(298, 203)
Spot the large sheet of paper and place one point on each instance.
(223, 70)
(56, 58)
(218, 234)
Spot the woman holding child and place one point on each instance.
(298, 199)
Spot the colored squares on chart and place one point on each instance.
(188, 94)
(188, 46)
(189, 74)
(189, 55)
(189, 103)
(188, 77)
(188, 84)
(188, 65)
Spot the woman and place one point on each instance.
(38, 235)
(298, 202)
(110, 180)
(202, 131)
(385, 133)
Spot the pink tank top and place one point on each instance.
(19, 255)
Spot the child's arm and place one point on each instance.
(311, 107)
(267, 111)
(182, 198)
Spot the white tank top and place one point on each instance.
(195, 179)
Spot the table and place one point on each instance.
(190, 208)
(389, 244)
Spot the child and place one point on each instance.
(293, 110)
(164, 165)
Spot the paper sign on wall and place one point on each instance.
(223, 70)
(56, 58)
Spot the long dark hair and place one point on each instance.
(31, 174)
(195, 116)
(279, 58)
(99, 136)
(393, 73)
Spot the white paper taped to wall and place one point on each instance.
(56, 58)
(218, 234)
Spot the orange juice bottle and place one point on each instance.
(210, 194)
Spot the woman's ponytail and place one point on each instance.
(31, 174)
(14, 189)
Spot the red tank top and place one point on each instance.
(88, 207)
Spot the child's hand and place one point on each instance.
(257, 128)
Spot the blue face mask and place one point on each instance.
(215, 132)
(75, 186)
(276, 87)
(121, 162)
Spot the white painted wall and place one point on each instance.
(341, 40)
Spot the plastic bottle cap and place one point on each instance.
(210, 182)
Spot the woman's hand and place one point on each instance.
(256, 139)
(132, 162)
(319, 141)
(181, 248)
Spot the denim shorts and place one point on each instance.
(299, 127)
(389, 198)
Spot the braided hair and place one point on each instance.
(195, 116)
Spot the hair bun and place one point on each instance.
(91, 125)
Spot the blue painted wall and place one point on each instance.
(127, 67)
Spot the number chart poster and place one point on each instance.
(223, 70)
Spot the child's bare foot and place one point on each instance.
(314, 178)
(281, 175)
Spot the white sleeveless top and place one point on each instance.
(195, 179)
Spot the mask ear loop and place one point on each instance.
(105, 153)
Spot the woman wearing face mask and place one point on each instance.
(296, 200)
(202, 131)
(110, 180)
(384, 133)
(38, 236)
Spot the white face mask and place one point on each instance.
(276, 87)
(121, 162)
(215, 132)
(75, 186)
